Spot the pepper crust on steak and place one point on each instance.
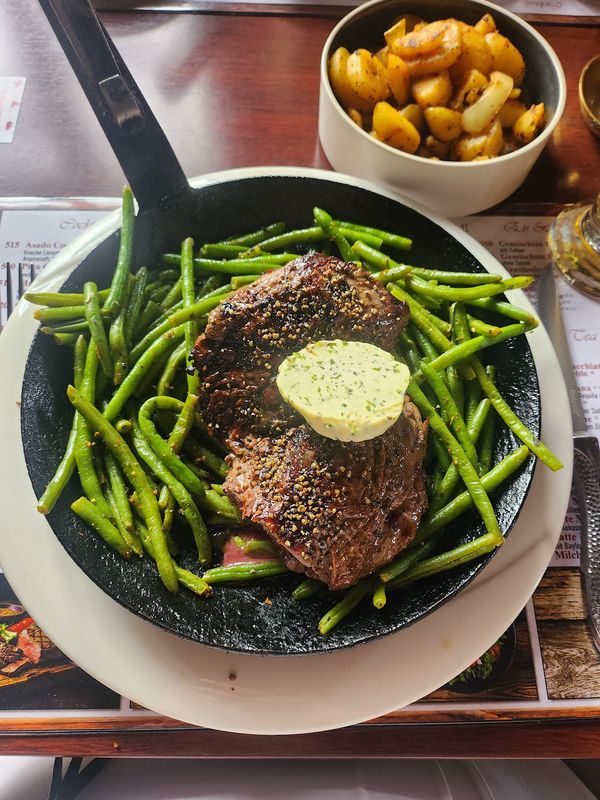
(336, 510)
(248, 336)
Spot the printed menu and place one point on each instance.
(544, 664)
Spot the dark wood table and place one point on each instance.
(235, 86)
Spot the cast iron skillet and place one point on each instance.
(236, 617)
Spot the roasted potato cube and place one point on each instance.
(478, 116)
(338, 75)
(444, 123)
(399, 78)
(414, 114)
(485, 25)
(505, 57)
(443, 58)
(510, 112)
(435, 147)
(469, 89)
(367, 78)
(382, 55)
(432, 90)
(356, 117)
(419, 43)
(394, 128)
(487, 143)
(529, 124)
(476, 54)
(397, 31)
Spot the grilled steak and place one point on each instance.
(248, 336)
(337, 510)
(12, 660)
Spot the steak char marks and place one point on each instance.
(336, 510)
(248, 336)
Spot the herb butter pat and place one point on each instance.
(349, 391)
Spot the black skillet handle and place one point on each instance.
(131, 128)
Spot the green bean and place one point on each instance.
(233, 266)
(201, 473)
(511, 420)
(96, 325)
(139, 370)
(255, 546)
(290, 238)
(101, 524)
(60, 299)
(463, 294)
(465, 468)
(188, 295)
(486, 441)
(119, 490)
(179, 434)
(220, 250)
(347, 604)
(172, 296)
(307, 588)
(116, 297)
(478, 326)
(268, 258)
(206, 457)
(390, 239)
(438, 519)
(458, 352)
(195, 311)
(136, 476)
(379, 596)
(188, 579)
(65, 339)
(135, 303)
(67, 463)
(147, 316)
(176, 358)
(168, 513)
(78, 326)
(238, 281)
(450, 480)
(130, 538)
(162, 449)
(505, 309)
(117, 339)
(442, 455)
(213, 501)
(333, 232)
(420, 319)
(450, 413)
(245, 572)
(256, 237)
(60, 313)
(457, 388)
(168, 275)
(427, 348)
(472, 400)
(177, 489)
(410, 351)
(409, 557)
(445, 561)
(159, 294)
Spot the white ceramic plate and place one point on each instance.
(187, 681)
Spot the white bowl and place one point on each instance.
(449, 188)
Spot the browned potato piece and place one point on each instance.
(382, 55)
(367, 78)
(397, 31)
(433, 90)
(356, 117)
(419, 43)
(505, 57)
(447, 55)
(485, 25)
(469, 89)
(436, 147)
(393, 128)
(398, 78)
(529, 124)
(476, 54)
(516, 92)
(510, 112)
(444, 123)
(487, 143)
(338, 75)
(414, 114)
